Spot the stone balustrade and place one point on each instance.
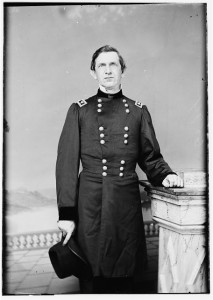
(32, 240)
(47, 239)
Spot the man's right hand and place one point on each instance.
(67, 228)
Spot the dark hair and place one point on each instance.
(107, 48)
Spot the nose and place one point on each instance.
(108, 69)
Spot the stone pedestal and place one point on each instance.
(181, 216)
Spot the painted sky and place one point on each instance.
(48, 53)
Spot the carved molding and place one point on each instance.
(188, 229)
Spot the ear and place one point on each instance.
(123, 74)
(93, 74)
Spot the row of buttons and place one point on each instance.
(127, 106)
(99, 110)
(102, 141)
(101, 128)
(104, 161)
(99, 106)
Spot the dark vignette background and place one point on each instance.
(47, 53)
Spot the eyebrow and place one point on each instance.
(102, 63)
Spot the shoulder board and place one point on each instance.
(82, 102)
(138, 104)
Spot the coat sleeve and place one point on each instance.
(67, 166)
(150, 158)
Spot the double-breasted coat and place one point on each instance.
(109, 135)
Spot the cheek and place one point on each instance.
(98, 75)
(118, 76)
(101, 77)
(117, 73)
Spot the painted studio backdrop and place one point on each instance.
(48, 52)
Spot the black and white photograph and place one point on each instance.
(105, 148)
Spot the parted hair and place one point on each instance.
(107, 48)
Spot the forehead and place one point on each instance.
(106, 57)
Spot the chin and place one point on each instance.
(109, 86)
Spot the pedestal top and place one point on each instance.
(185, 191)
(180, 209)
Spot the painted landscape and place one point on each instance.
(22, 200)
(29, 211)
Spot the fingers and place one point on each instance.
(165, 183)
(172, 181)
(67, 228)
(179, 181)
(68, 236)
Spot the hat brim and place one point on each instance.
(69, 260)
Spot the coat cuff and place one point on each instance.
(67, 213)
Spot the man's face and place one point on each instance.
(108, 71)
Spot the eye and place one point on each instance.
(101, 65)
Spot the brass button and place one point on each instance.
(99, 110)
(121, 174)
(99, 105)
(99, 100)
(102, 142)
(121, 168)
(122, 162)
(104, 160)
(126, 105)
(125, 142)
(126, 135)
(127, 111)
(126, 128)
(102, 135)
(104, 173)
(104, 168)
(101, 128)
(124, 100)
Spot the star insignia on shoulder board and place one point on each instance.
(138, 104)
(82, 102)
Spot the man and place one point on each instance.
(110, 134)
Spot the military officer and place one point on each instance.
(109, 133)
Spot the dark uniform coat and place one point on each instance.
(109, 135)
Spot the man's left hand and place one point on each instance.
(172, 180)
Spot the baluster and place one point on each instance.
(22, 242)
(42, 240)
(29, 241)
(35, 241)
(15, 241)
(151, 227)
(48, 239)
(9, 243)
(55, 238)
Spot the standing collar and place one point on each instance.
(109, 96)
